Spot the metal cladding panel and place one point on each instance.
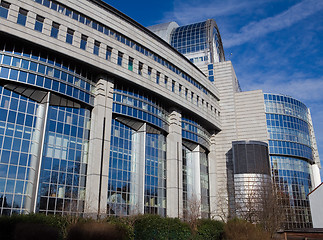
(250, 157)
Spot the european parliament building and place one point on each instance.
(100, 115)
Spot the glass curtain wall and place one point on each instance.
(63, 168)
(18, 116)
(155, 174)
(291, 156)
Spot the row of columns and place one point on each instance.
(99, 154)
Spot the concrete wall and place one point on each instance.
(316, 203)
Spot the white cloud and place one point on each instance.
(283, 20)
(185, 12)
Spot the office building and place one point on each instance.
(99, 115)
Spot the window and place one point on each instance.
(4, 8)
(149, 72)
(22, 16)
(69, 36)
(140, 67)
(197, 100)
(96, 47)
(157, 77)
(173, 86)
(130, 64)
(83, 42)
(54, 32)
(180, 89)
(39, 23)
(192, 96)
(165, 81)
(108, 53)
(120, 56)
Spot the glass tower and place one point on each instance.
(291, 156)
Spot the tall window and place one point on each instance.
(4, 8)
(173, 86)
(166, 81)
(149, 72)
(39, 23)
(96, 47)
(130, 64)
(22, 16)
(157, 77)
(120, 56)
(140, 67)
(55, 28)
(108, 53)
(69, 36)
(83, 42)
(180, 89)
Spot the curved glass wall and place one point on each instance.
(64, 163)
(18, 116)
(137, 171)
(32, 67)
(122, 193)
(58, 153)
(194, 132)
(136, 104)
(190, 38)
(293, 177)
(290, 154)
(155, 174)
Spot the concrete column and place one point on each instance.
(37, 148)
(138, 152)
(99, 148)
(196, 174)
(213, 177)
(174, 166)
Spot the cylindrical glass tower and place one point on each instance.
(291, 156)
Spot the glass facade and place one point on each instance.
(42, 70)
(290, 155)
(190, 38)
(18, 133)
(193, 131)
(199, 42)
(134, 103)
(40, 137)
(64, 164)
(155, 174)
(122, 190)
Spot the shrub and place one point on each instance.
(209, 229)
(13, 227)
(237, 229)
(95, 231)
(156, 227)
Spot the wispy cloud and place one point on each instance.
(185, 12)
(283, 20)
(296, 85)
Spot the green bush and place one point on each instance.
(96, 231)
(237, 229)
(155, 227)
(209, 229)
(125, 224)
(31, 225)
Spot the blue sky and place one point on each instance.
(274, 45)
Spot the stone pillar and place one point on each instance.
(196, 174)
(174, 166)
(213, 178)
(99, 148)
(138, 152)
(37, 148)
